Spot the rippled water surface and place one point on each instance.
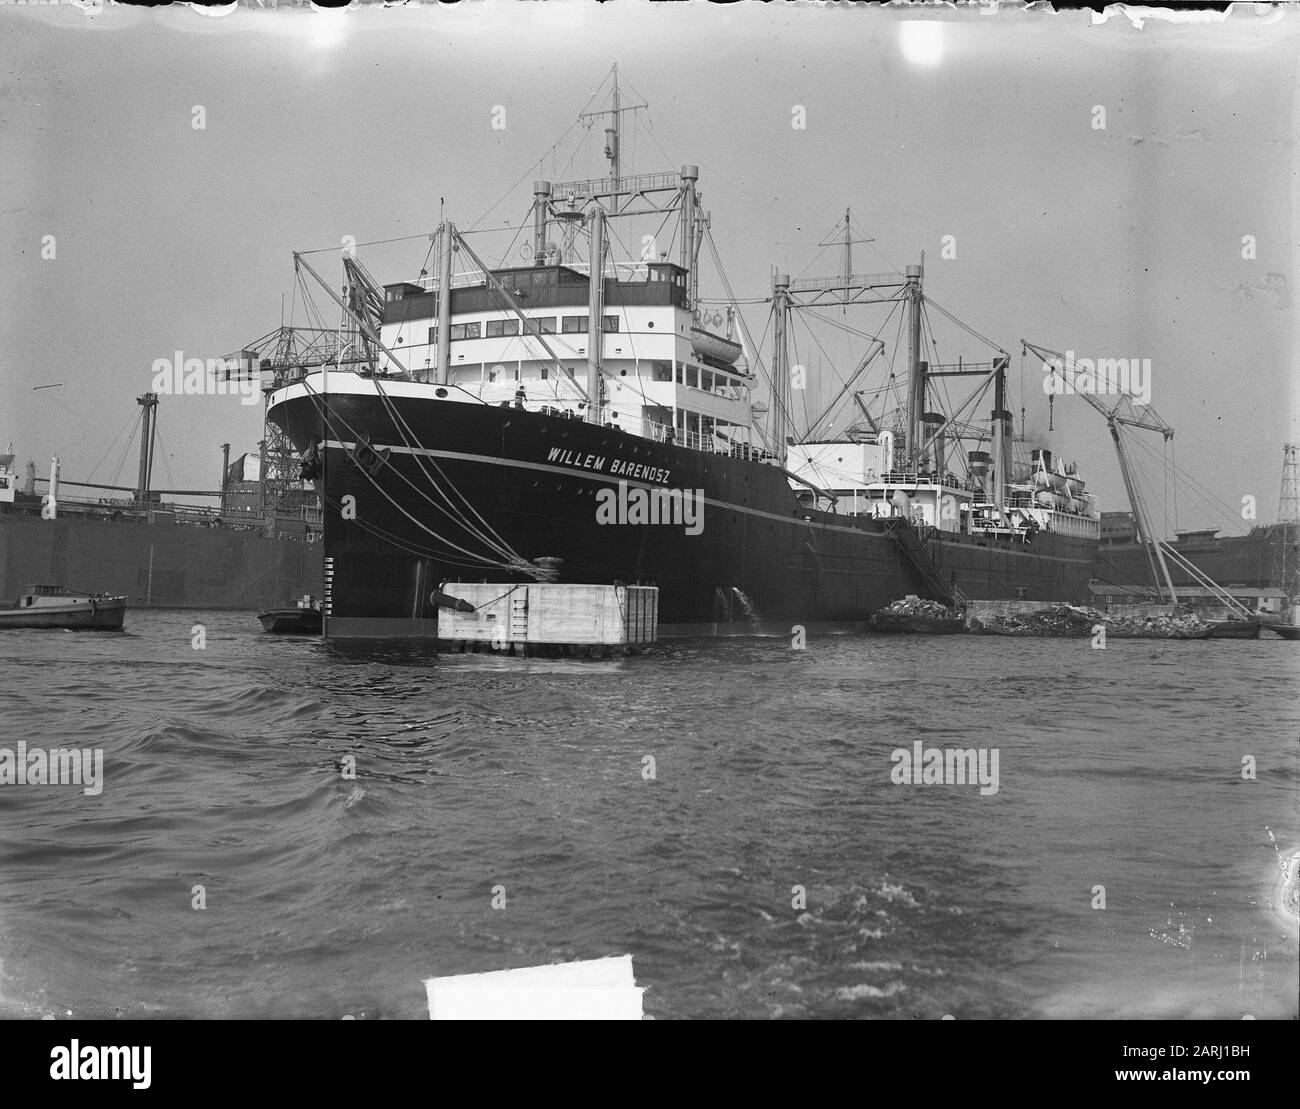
(328, 895)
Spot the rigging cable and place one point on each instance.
(498, 544)
(318, 402)
(1230, 512)
(965, 327)
(131, 418)
(523, 176)
(126, 447)
(393, 540)
(166, 466)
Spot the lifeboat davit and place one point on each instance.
(726, 351)
(1059, 483)
(1058, 501)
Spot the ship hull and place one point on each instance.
(158, 565)
(1257, 560)
(437, 484)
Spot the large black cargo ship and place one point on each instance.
(593, 422)
(459, 485)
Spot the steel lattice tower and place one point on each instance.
(1288, 501)
(1287, 557)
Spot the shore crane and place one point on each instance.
(1121, 414)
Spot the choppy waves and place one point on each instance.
(289, 828)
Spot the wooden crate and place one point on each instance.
(552, 614)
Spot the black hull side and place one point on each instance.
(761, 564)
(1254, 560)
(157, 565)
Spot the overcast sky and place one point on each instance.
(1122, 241)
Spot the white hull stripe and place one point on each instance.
(610, 479)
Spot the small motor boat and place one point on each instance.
(52, 606)
(304, 619)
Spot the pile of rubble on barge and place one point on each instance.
(1039, 619)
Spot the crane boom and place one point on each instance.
(1122, 414)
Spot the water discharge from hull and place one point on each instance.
(750, 611)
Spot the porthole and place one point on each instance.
(440, 392)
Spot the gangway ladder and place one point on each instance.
(901, 530)
(519, 616)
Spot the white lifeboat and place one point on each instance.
(726, 351)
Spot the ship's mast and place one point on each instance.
(692, 231)
(614, 138)
(1001, 435)
(595, 316)
(780, 363)
(148, 431)
(612, 135)
(811, 293)
(848, 251)
(916, 369)
(445, 234)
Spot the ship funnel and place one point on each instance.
(931, 422)
(1002, 448)
(979, 468)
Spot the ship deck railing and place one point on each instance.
(658, 432)
(926, 477)
(626, 272)
(713, 443)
